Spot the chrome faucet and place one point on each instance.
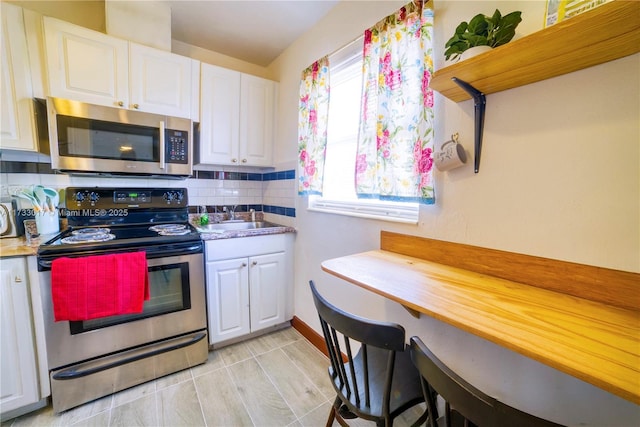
(232, 212)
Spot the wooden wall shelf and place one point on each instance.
(608, 32)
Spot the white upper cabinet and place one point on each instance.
(237, 113)
(257, 116)
(219, 115)
(159, 81)
(16, 93)
(86, 65)
(93, 67)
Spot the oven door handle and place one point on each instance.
(44, 264)
(168, 251)
(93, 368)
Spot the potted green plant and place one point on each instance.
(482, 30)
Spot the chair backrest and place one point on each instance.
(461, 398)
(353, 383)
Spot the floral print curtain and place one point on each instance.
(395, 145)
(312, 126)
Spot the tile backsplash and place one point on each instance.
(272, 193)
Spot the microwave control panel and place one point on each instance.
(176, 146)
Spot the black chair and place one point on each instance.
(464, 404)
(379, 382)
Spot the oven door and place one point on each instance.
(176, 307)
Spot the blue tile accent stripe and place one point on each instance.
(279, 210)
(278, 176)
(231, 176)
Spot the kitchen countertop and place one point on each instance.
(231, 234)
(16, 246)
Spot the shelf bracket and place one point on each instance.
(479, 103)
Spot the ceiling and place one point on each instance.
(251, 30)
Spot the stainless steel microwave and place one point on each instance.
(93, 139)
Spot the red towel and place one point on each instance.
(99, 286)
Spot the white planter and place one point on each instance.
(474, 51)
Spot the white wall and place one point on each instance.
(559, 178)
(215, 58)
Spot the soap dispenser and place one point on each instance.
(204, 216)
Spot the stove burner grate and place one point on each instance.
(88, 238)
(160, 228)
(174, 232)
(90, 231)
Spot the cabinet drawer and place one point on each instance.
(244, 246)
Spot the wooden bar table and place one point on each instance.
(595, 341)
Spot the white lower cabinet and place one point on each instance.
(248, 285)
(19, 384)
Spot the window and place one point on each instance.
(339, 194)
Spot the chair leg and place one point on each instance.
(335, 414)
(332, 416)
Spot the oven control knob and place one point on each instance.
(79, 197)
(168, 196)
(93, 196)
(179, 196)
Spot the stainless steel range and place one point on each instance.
(92, 358)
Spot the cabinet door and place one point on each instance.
(86, 65)
(219, 115)
(17, 131)
(257, 106)
(18, 378)
(160, 82)
(228, 299)
(267, 283)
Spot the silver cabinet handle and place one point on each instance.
(244, 264)
(234, 160)
(244, 160)
(120, 103)
(136, 106)
(18, 279)
(162, 162)
(254, 263)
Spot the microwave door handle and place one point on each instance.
(162, 142)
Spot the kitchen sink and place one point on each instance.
(233, 226)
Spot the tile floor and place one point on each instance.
(278, 379)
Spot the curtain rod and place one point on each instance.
(341, 48)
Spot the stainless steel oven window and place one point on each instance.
(169, 292)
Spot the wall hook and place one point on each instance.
(479, 103)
